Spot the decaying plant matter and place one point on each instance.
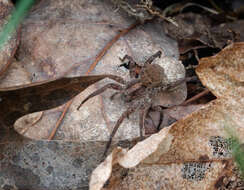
(147, 82)
(142, 10)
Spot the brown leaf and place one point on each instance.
(196, 31)
(21, 100)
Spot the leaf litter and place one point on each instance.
(46, 58)
(43, 63)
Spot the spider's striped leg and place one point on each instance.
(117, 79)
(124, 115)
(127, 86)
(114, 86)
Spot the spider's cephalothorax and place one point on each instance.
(146, 82)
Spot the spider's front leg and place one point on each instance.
(129, 63)
(108, 86)
(153, 57)
(101, 90)
(125, 89)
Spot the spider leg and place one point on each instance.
(124, 115)
(132, 83)
(101, 90)
(137, 93)
(130, 59)
(154, 125)
(142, 115)
(154, 56)
(128, 85)
(131, 65)
(117, 79)
(114, 94)
(166, 119)
(161, 112)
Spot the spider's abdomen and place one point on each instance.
(152, 75)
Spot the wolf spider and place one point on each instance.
(147, 82)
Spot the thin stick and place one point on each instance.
(109, 45)
(67, 105)
(192, 99)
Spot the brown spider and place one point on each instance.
(147, 82)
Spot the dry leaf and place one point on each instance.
(196, 31)
(20, 100)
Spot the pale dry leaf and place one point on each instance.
(103, 171)
(145, 148)
(199, 153)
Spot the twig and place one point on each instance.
(192, 99)
(109, 45)
(67, 105)
(158, 14)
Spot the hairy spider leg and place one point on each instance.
(127, 65)
(142, 115)
(153, 57)
(159, 123)
(131, 65)
(101, 90)
(117, 79)
(124, 115)
(127, 86)
(161, 112)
